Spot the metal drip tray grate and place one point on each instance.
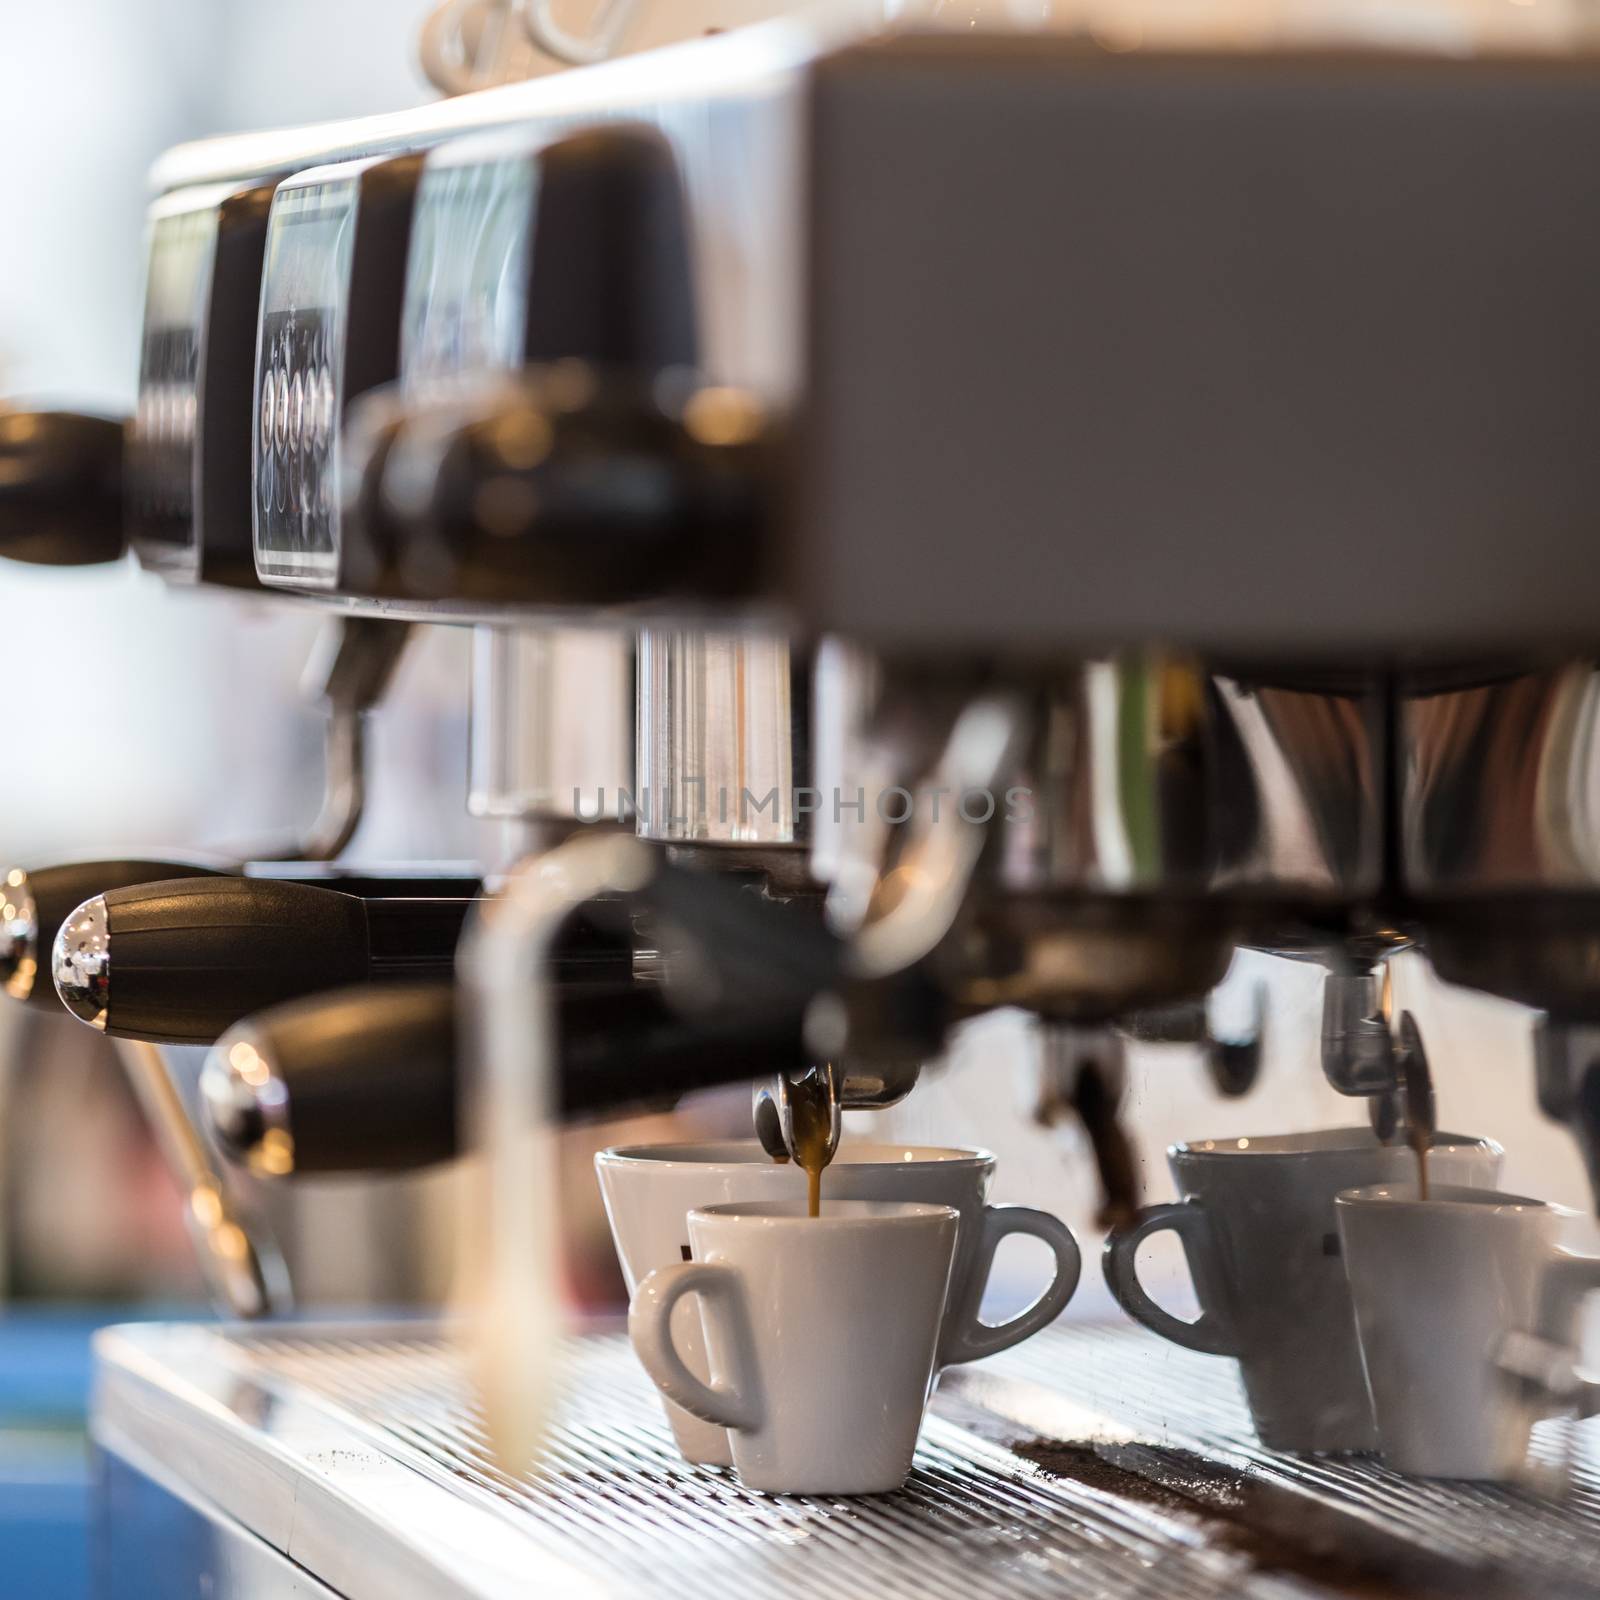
(1090, 1463)
(1179, 1421)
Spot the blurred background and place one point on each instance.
(195, 737)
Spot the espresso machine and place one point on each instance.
(951, 522)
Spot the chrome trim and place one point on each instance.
(723, 754)
(757, 58)
(1143, 772)
(247, 1104)
(80, 963)
(1500, 782)
(357, 1452)
(551, 723)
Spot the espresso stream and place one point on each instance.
(811, 1118)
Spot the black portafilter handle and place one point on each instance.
(367, 1079)
(576, 485)
(60, 488)
(34, 904)
(182, 961)
(605, 471)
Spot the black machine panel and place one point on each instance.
(466, 296)
(329, 331)
(188, 445)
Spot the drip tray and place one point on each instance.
(1090, 1462)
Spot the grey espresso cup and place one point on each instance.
(1256, 1221)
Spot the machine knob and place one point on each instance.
(181, 961)
(607, 472)
(577, 485)
(60, 488)
(359, 1080)
(33, 906)
(366, 1080)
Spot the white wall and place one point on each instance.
(137, 718)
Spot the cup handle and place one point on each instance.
(1208, 1333)
(972, 1338)
(730, 1405)
(1568, 1278)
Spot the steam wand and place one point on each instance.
(350, 670)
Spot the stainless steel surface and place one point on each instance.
(724, 751)
(1148, 771)
(1087, 1462)
(1139, 772)
(1174, 1414)
(1499, 840)
(344, 788)
(1411, 1113)
(350, 670)
(246, 1105)
(1087, 838)
(1358, 1055)
(155, 1540)
(1500, 782)
(80, 963)
(862, 1086)
(552, 730)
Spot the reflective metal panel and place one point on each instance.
(723, 739)
(1142, 772)
(1500, 782)
(552, 723)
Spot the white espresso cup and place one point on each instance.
(821, 1333)
(1444, 1289)
(1256, 1221)
(649, 1190)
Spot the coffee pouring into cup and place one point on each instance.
(1255, 1217)
(821, 1334)
(649, 1190)
(1466, 1307)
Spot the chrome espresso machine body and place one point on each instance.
(950, 523)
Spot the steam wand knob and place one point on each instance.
(60, 488)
